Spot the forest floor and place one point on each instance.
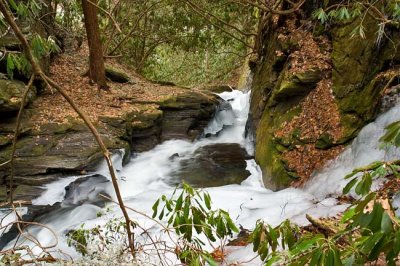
(68, 70)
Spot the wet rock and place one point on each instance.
(186, 115)
(87, 190)
(173, 156)
(34, 213)
(298, 84)
(279, 88)
(215, 165)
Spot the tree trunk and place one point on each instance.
(96, 59)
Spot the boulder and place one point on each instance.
(214, 165)
(186, 115)
(117, 75)
(11, 94)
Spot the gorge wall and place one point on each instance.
(314, 87)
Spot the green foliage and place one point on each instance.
(386, 13)
(191, 212)
(25, 9)
(104, 237)
(17, 62)
(71, 16)
(28, 12)
(169, 41)
(392, 135)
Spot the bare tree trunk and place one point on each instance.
(96, 59)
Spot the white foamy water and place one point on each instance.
(147, 177)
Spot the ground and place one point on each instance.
(68, 71)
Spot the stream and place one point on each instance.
(221, 163)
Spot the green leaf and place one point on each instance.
(155, 207)
(305, 245)
(343, 13)
(350, 261)
(179, 202)
(272, 261)
(207, 200)
(350, 185)
(364, 186)
(316, 257)
(386, 223)
(348, 214)
(376, 221)
(367, 247)
(209, 260)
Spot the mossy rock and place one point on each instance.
(298, 84)
(325, 141)
(11, 94)
(188, 100)
(268, 152)
(218, 88)
(5, 140)
(117, 75)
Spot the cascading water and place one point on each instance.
(151, 174)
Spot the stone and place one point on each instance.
(325, 141)
(218, 88)
(11, 94)
(186, 115)
(117, 75)
(214, 165)
(298, 84)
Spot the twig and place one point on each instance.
(16, 133)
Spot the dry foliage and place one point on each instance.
(68, 70)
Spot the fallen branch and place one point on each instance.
(321, 225)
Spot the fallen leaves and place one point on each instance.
(68, 71)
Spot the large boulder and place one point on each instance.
(214, 165)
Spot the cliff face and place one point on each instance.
(313, 89)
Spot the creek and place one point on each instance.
(221, 163)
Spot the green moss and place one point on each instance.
(4, 140)
(325, 141)
(269, 149)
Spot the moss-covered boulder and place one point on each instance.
(117, 75)
(312, 93)
(11, 94)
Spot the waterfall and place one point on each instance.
(149, 174)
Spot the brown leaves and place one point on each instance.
(68, 71)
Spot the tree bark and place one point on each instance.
(96, 59)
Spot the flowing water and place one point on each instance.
(156, 172)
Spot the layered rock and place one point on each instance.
(49, 150)
(312, 92)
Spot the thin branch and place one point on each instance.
(194, 6)
(16, 133)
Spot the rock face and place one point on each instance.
(48, 151)
(312, 92)
(214, 165)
